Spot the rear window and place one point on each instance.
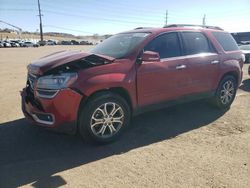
(226, 41)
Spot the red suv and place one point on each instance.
(96, 93)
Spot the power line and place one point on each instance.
(113, 13)
(68, 29)
(17, 9)
(104, 19)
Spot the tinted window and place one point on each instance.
(226, 41)
(167, 45)
(195, 43)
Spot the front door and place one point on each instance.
(164, 80)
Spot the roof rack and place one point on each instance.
(142, 28)
(190, 25)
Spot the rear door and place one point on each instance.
(166, 79)
(203, 61)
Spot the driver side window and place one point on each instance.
(167, 45)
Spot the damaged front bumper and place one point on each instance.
(57, 113)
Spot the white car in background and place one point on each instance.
(6, 44)
(1, 44)
(29, 44)
(246, 51)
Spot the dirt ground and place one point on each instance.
(189, 145)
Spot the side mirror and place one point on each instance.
(150, 56)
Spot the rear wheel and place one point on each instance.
(104, 117)
(225, 93)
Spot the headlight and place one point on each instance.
(54, 82)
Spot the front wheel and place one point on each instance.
(225, 93)
(104, 117)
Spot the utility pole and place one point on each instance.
(40, 17)
(204, 20)
(166, 21)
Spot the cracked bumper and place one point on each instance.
(59, 113)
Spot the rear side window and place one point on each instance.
(195, 43)
(167, 45)
(226, 41)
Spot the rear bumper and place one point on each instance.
(59, 113)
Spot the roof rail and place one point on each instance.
(142, 28)
(190, 25)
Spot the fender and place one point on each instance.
(118, 75)
(233, 67)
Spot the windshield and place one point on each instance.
(119, 45)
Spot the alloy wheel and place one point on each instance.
(107, 120)
(227, 92)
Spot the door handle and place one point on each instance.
(178, 67)
(214, 62)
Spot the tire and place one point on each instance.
(96, 124)
(225, 93)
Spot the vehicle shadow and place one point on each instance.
(245, 85)
(29, 154)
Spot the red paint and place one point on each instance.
(146, 83)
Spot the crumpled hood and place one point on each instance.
(44, 64)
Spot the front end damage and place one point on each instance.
(51, 105)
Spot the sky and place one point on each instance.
(88, 17)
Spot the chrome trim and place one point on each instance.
(153, 59)
(188, 56)
(34, 116)
(46, 96)
(179, 67)
(214, 62)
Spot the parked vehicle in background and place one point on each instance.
(242, 38)
(74, 42)
(130, 73)
(246, 51)
(14, 44)
(51, 42)
(21, 43)
(1, 44)
(29, 44)
(66, 42)
(42, 43)
(86, 43)
(244, 42)
(6, 44)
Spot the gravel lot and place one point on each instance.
(189, 145)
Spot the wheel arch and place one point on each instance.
(235, 74)
(122, 92)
